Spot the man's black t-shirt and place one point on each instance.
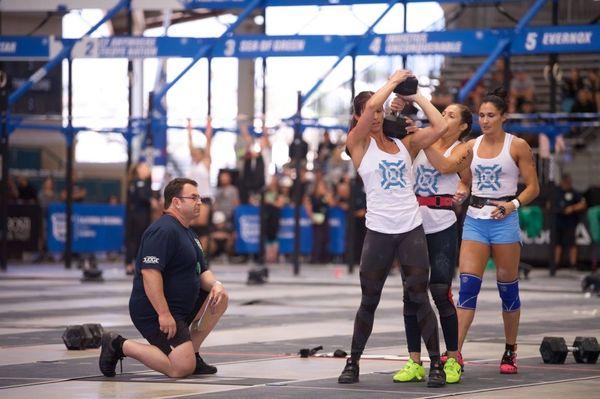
(174, 250)
(563, 199)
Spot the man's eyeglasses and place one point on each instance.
(196, 198)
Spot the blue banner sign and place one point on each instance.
(96, 227)
(560, 39)
(253, 46)
(247, 229)
(24, 48)
(463, 42)
(133, 47)
(286, 231)
(337, 231)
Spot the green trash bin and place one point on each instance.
(531, 219)
(593, 215)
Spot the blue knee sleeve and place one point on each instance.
(509, 293)
(469, 289)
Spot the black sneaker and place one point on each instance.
(108, 355)
(202, 367)
(437, 377)
(350, 373)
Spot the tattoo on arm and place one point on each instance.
(464, 158)
(532, 157)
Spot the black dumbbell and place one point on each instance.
(554, 350)
(79, 337)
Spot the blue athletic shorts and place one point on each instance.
(492, 231)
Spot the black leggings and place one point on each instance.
(443, 253)
(378, 253)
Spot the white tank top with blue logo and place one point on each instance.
(392, 206)
(493, 177)
(430, 182)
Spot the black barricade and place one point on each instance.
(24, 228)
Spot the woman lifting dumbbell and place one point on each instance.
(394, 224)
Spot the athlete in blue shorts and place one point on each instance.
(497, 160)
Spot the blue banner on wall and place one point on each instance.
(337, 231)
(286, 231)
(464, 42)
(134, 47)
(24, 48)
(247, 229)
(459, 42)
(558, 39)
(96, 227)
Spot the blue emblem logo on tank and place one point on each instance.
(488, 177)
(392, 174)
(426, 182)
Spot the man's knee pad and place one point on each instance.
(442, 296)
(509, 293)
(470, 285)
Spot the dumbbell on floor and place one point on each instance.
(86, 336)
(554, 350)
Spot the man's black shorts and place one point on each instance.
(565, 234)
(150, 329)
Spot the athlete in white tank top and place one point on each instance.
(393, 221)
(429, 182)
(392, 207)
(493, 177)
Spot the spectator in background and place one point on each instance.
(139, 211)
(27, 193)
(113, 200)
(46, 196)
(253, 167)
(346, 191)
(522, 88)
(221, 237)
(584, 101)
(227, 196)
(475, 97)
(569, 87)
(325, 151)
(317, 207)
(13, 191)
(498, 75)
(274, 201)
(200, 173)
(286, 183)
(592, 81)
(567, 206)
(339, 168)
(79, 193)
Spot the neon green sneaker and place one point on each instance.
(411, 372)
(452, 370)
